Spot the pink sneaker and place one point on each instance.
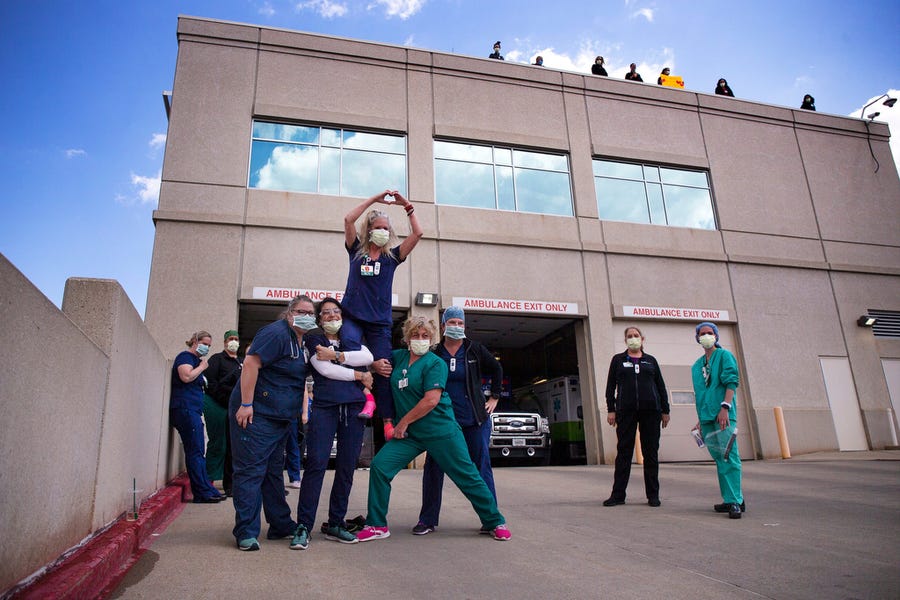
(368, 408)
(501, 533)
(370, 532)
(388, 432)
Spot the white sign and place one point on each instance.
(282, 293)
(672, 312)
(519, 306)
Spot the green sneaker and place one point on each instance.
(300, 540)
(248, 545)
(339, 534)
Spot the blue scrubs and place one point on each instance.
(185, 410)
(367, 303)
(333, 412)
(258, 449)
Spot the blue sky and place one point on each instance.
(85, 125)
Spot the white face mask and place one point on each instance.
(379, 237)
(419, 347)
(232, 346)
(634, 343)
(332, 327)
(707, 340)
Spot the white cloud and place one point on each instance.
(158, 140)
(266, 10)
(889, 115)
(326, 8)
(647, 13)
(398, 8)
(408, 42)
(148, 187)
(75, 152)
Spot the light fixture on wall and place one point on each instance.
(866, 321)
(426, 299)
(889, 103)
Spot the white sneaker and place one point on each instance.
(295, 484)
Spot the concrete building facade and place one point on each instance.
(772, 222)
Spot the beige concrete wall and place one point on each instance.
(135, 415)
(83, 397)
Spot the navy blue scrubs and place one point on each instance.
(258, 449)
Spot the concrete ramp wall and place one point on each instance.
(84, 403)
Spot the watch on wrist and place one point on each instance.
(726, 406)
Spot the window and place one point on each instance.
(501, 178)
(323, 160)
(652, 194)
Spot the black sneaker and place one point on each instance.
(422, 529)
(735, 511)
(355, 524)
(726, 507)
(654, 502)
(611, 501)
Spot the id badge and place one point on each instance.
(402, 383)
(378, 267)
(367, 270)
(637, 368)
(627, 364)
(453, 365)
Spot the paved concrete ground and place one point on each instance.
(820, 526)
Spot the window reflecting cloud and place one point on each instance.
(630, 192)
(283, 167)
(325, 160)
(480, 176)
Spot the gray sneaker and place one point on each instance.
(339, 534)
(300, 541)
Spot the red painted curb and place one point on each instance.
(99, 565)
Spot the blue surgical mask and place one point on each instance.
(305, 322)
(203, 349)
(455, 332)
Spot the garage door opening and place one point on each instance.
(539, 356)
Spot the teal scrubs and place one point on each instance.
(710, 383)
(438, 433)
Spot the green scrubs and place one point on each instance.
(438, 433)
(710, 382)
(214, 416)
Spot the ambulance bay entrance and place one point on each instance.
(539, 355)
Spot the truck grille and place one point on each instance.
(518, 424)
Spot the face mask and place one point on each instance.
(634, 343)
(419, 347)
(708, 340)
(455, 332)
(202, 349)
(332, 326)
(232, 346)
(379, 237)
(305, 322)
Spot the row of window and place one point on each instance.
(323, 160)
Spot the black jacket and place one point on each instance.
(628, 392)
(480, 363)
(221, 375)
